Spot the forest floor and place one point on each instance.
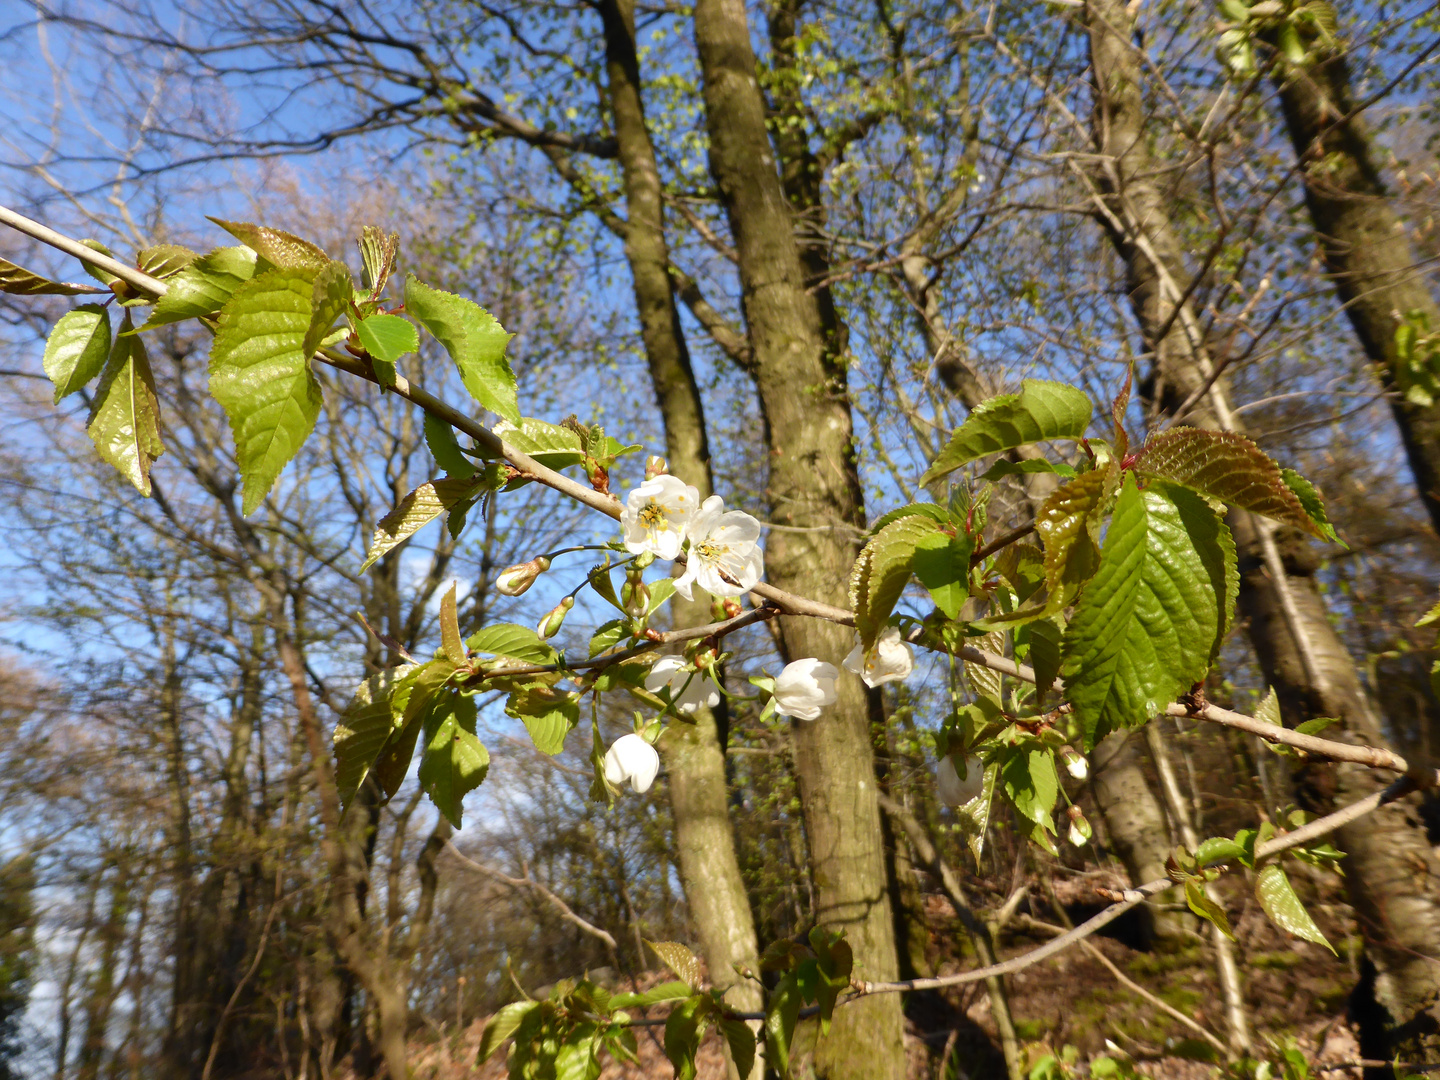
(1295, 990)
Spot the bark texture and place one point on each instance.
(694, 754)
(1366, 250)
(1390, 869)
(799, 369)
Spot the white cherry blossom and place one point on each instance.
(890, 659)
(725, 557)
(804, 687)
(656, 514)
(631, 758)
(688, 689)
(952, 790)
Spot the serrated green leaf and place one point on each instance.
(454, 761)
(1218, 849)
(203, 287)
(1312, 503)
(164, 260)
(1027, 467)
(1315, 726)
(548, 714)
(277, 247)
(1042, 410)
(1028, 776)
(670, 991)
(679, 959)
(1212, 541)
(781, 1014)
(364, 728)
(445, 448)
(77, 348)
(450, 628)
(1067, 528)
(974, 817)
(502, 1025)
(330, 296)
(474, 339)
(683, 1030)
(377, 255)
(986, 682)
(262, 378)
(880, 573)
(942, 563)
(741, 1041)
(387, 337)
(609, 635)
(1143, 630)
(1207, 909)
(415, 511)
(125, 414)
(1045, 636)
(575, 1059)
(551, 445)
(1228, 467)
(1269, 708)
(1277, 897)
(517, 642)
(934, 511)
(21, 282)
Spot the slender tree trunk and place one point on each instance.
(694, 754)
(1366, 251)
(100, 999)
(799, 368)
(1390, 869)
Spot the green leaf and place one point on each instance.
(502, 1025)
(377, 255)
(974, 817)
(77, 348)
(1315, 726)
(275, 246)
(21, 282)
(445, 448)
(548, 714)
(942, 563)
(1269, 709)
(683, 1029)
(1228, 467)
(517, 642)
(450, 641)
(670, 991)
(330, 296)
(1218, 849)
(1144, 628)
(164, 260)
(741, 1041)
(454, 762)
(881, 572)
(261, 376)
(415, 511)
(934, 511)
(679, 959)
(125, 414)
(1277, 897)
(364, 728)
(387, 337)
(1042, 410)
(782, 1012)
(1067, 526)
(1031, 782)
(551, 445)
(1045, 636)
(608, 636)
(575, 1059)
(1206, 908)
(1313, 505)
(474, 339)
(1216, 547)
(203, 287)
(1026, 467)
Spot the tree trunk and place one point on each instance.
(694, 754)
(799, 368)
(1366, 251)
(1390, 869)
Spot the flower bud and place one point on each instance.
(954, 791)
(804, 687)
(514, 580)
(1075, 765)
(551, 623)
(1080, 831)
(655, 465)
(732, 607)
(631, 758)
(717, 610)
(634, 596)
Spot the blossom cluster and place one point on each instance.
(664, 512)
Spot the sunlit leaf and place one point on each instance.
(474, 339)
(364, 728)
(1277, 897)
(276, 246)
(416, 510)
(454, 761)
(21, 282)
(548, 714)
(879, 575)
(1207, 909)
(387, 337)
(377, 254)
(77, 348)
(502, 1025)
(164, 260)
(1042, 410)
(125, 414)
(203, 287)
(330, 296)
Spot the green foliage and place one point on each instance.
(277, 247)
(1068, 525)
(418, 509)
(21, 282)
(1277, 897)
(445, 448)
(1145, 628)
(387, 337)
(164, 260)
(1313, 505)
(377, 255)
(882, 571)
(548, 714)
(331, 294)
(261, 375)
(1042, 410)
(202, 288)
(454, 761)
(942, 563)
(77, 348)
(474, 339)
(125, 414)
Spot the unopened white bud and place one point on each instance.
(514, 580)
